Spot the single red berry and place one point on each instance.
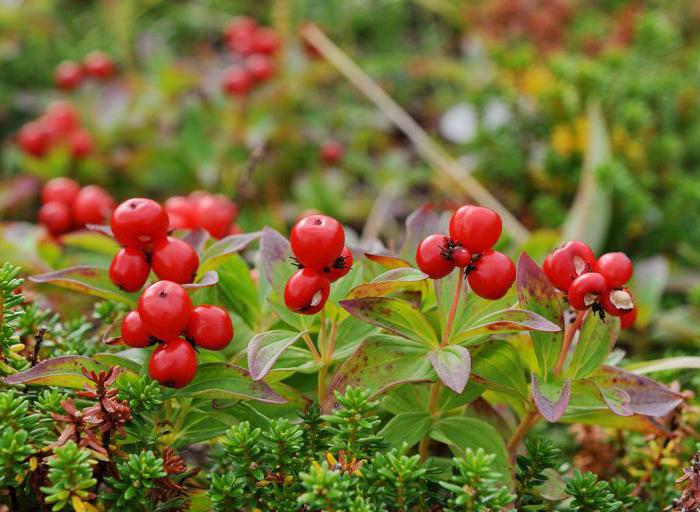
(165, 309)
(34, 139)
(68, 75)
(260, 67)
(586, 290)
(567, 262)
(216, 213)
(461, 256)
(266, 41)
(134, 333)
(331, 152)
(60, 119)
(615, 267)
(181, 212)
(317, 241)
(433, 256)
(627, 320)
(98, 65)
(617, 301)
(210, 327)
(62, 190)
(476, 228)
(138, 221)
(92, 205)
(493, 275)
(341, 266)
(240, 25)
(55, 217)
(236, 81)
(173, 363)
(307, 291)
(80, 143)
(174, 260)
(129, 269)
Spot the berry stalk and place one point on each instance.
(569, 334)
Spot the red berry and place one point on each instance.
(60, 119)
(98, 65)
(216, 213)
(476, 228)
(307, 291)
(92, 205)
(173, 363)
(240, 25)
(265, 40)
(341, 266)
(174, 260)
(236, 81)
(317, 241)
(627, 320)
(134, 333)
(80, 143)
(55, 217)
(493, 275)
(586, 290)
(129, 269)
(165, 309)
(615, 267)
(461, 256)
(181, 212)
(68, 75)
(34, 139)
(617, 302)
(432, 256)
(331, 152)
(567, 262)
(260, 67)
(210, 327)
(62, 190)
(138, 221)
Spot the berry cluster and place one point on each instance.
(141, 228)
(590, 283)
(255, 47)
(59, 126)
(69, 74)
(66, 206)
(166, 316)
(474, 231)
(214, 213)
(318, 244)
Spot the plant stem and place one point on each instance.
(311, 346)
(569, 334)
(323, 371)
(453, 309)
(433, 408)
(526, 423)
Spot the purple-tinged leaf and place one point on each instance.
(62, 371)
(617, 399)
(103, 229)
(90, 280)
(387, 261)
(551, 398)
(453, 365)
(536, 294)
(205, 280)
(595, 341)
(504, 321)
(196, 238)
(216, 254)
(400, 279)
(265, 348)
(419, 224)
(275, 259)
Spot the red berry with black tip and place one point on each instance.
(341, 266)
(174, 260)
(68, 75)
(331, 152)
(317, 241)
(134, 332)
(165, 309)
(617, 301)
(586, 290)
(615, 267)
(216, 213)
(475, 228)
(92, 205)
(61, 190)
(432, 256)
(493, 275)
(129, 269)
(236, 81)
(98, 65)
(567, 262)
(138, 222)
(210, 327)
(173, 363)
(461, 256)
(307, 291)
(56, 217)
(33, 139)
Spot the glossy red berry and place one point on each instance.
(615, 267)
(236, 81)
(173, 363)
(138, 221)
(461, 256)
(92, 205)
(307, 291)
(216, 213)
(317, 241)
(432, 256)
(60, 118)
(134, 333)
(341, 266)
(331, 152)
(210, 327)
(34, 139)
(80, 143)
(567, 262)
(475, 228)
(174, 260)
(68, 75)
(62, 190)
(260, 67)
(55, 217)
(165, 309)
(617, 301)
(98, 65)
(181, 212)
(627, 320)
(129, 269)
(586, 290)
(493, 275)
(266, 41)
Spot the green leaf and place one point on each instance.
(422, 222)
(665, 364)
(62, 371)
(218, 252)
(551, 397)
(86, 279)
(400, 279)
(595, 340)
(292, 319)
(501, 322)
(275, 259)
(237, 290)
(408, 427)
(387, 261)
(265, 348)
(445, 290)
(351, 332)
(452, 364)
(395, 315)
(91, 241)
